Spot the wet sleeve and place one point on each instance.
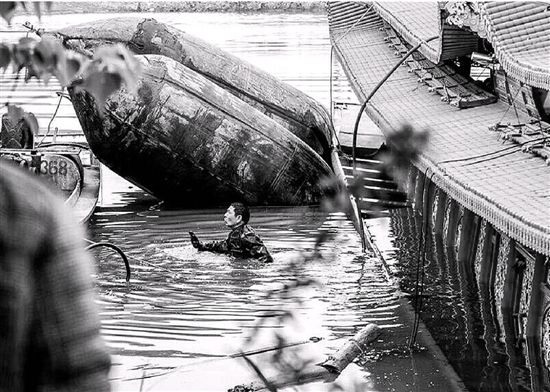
(254, 246)
(66, 327)
(215, 246)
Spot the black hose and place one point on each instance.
(118, 250)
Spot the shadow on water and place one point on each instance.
(463, 323)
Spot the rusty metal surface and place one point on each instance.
(186, 140)
(290, 107)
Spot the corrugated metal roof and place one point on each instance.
(519, 33)
(508, 188)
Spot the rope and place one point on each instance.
(512, 104)
(515, 146)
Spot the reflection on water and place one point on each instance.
(467, 326)
(183, 310)
(184, 306)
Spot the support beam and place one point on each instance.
(488, 258)
(454, 216)
(468, 241)
(540, 375)
(418, 191)
(431, 190)
(440, 213)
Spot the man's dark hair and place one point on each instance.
(242, 210)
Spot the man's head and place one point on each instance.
(236, 214)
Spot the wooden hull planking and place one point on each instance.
(290, 107)
(188, 141)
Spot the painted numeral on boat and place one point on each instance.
(53, 167)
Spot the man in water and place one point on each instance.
(241, 241)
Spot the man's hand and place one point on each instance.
(195, 241)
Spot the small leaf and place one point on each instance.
(118, 59)
(32, 72)
(22, 52)
(7, 9)
(47, 57)
(100, 84)
(31, 121)
(74, 63)
(5, 56)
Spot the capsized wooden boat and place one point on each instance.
(188, 141)
(72, 170)
(296, 111)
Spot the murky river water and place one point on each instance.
(184, 310)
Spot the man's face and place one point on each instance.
(230, 219)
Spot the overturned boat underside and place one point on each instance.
(294, 110)
(188, 141)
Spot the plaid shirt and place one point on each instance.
(242, 241)
(49, 322)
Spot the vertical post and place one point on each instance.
(418, 191)
(430, 195)
(509, 297)
(467, 239)
(510, 306)
(453, 223)
(539, 374)
(490, 247)
(440, 214)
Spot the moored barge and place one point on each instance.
(480, 189)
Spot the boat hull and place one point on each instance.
(189, 142)
(290, 107)
(61, 166)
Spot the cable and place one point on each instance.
(53, 117)
(374, 90)
(519, 145)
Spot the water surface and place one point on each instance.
(183, 311)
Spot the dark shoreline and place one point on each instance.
(186, 6)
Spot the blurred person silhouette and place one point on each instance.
(49, 323)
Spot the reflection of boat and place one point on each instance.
(71, 168)
(290, 107)
(188, 141)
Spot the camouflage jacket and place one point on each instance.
(242, 241)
